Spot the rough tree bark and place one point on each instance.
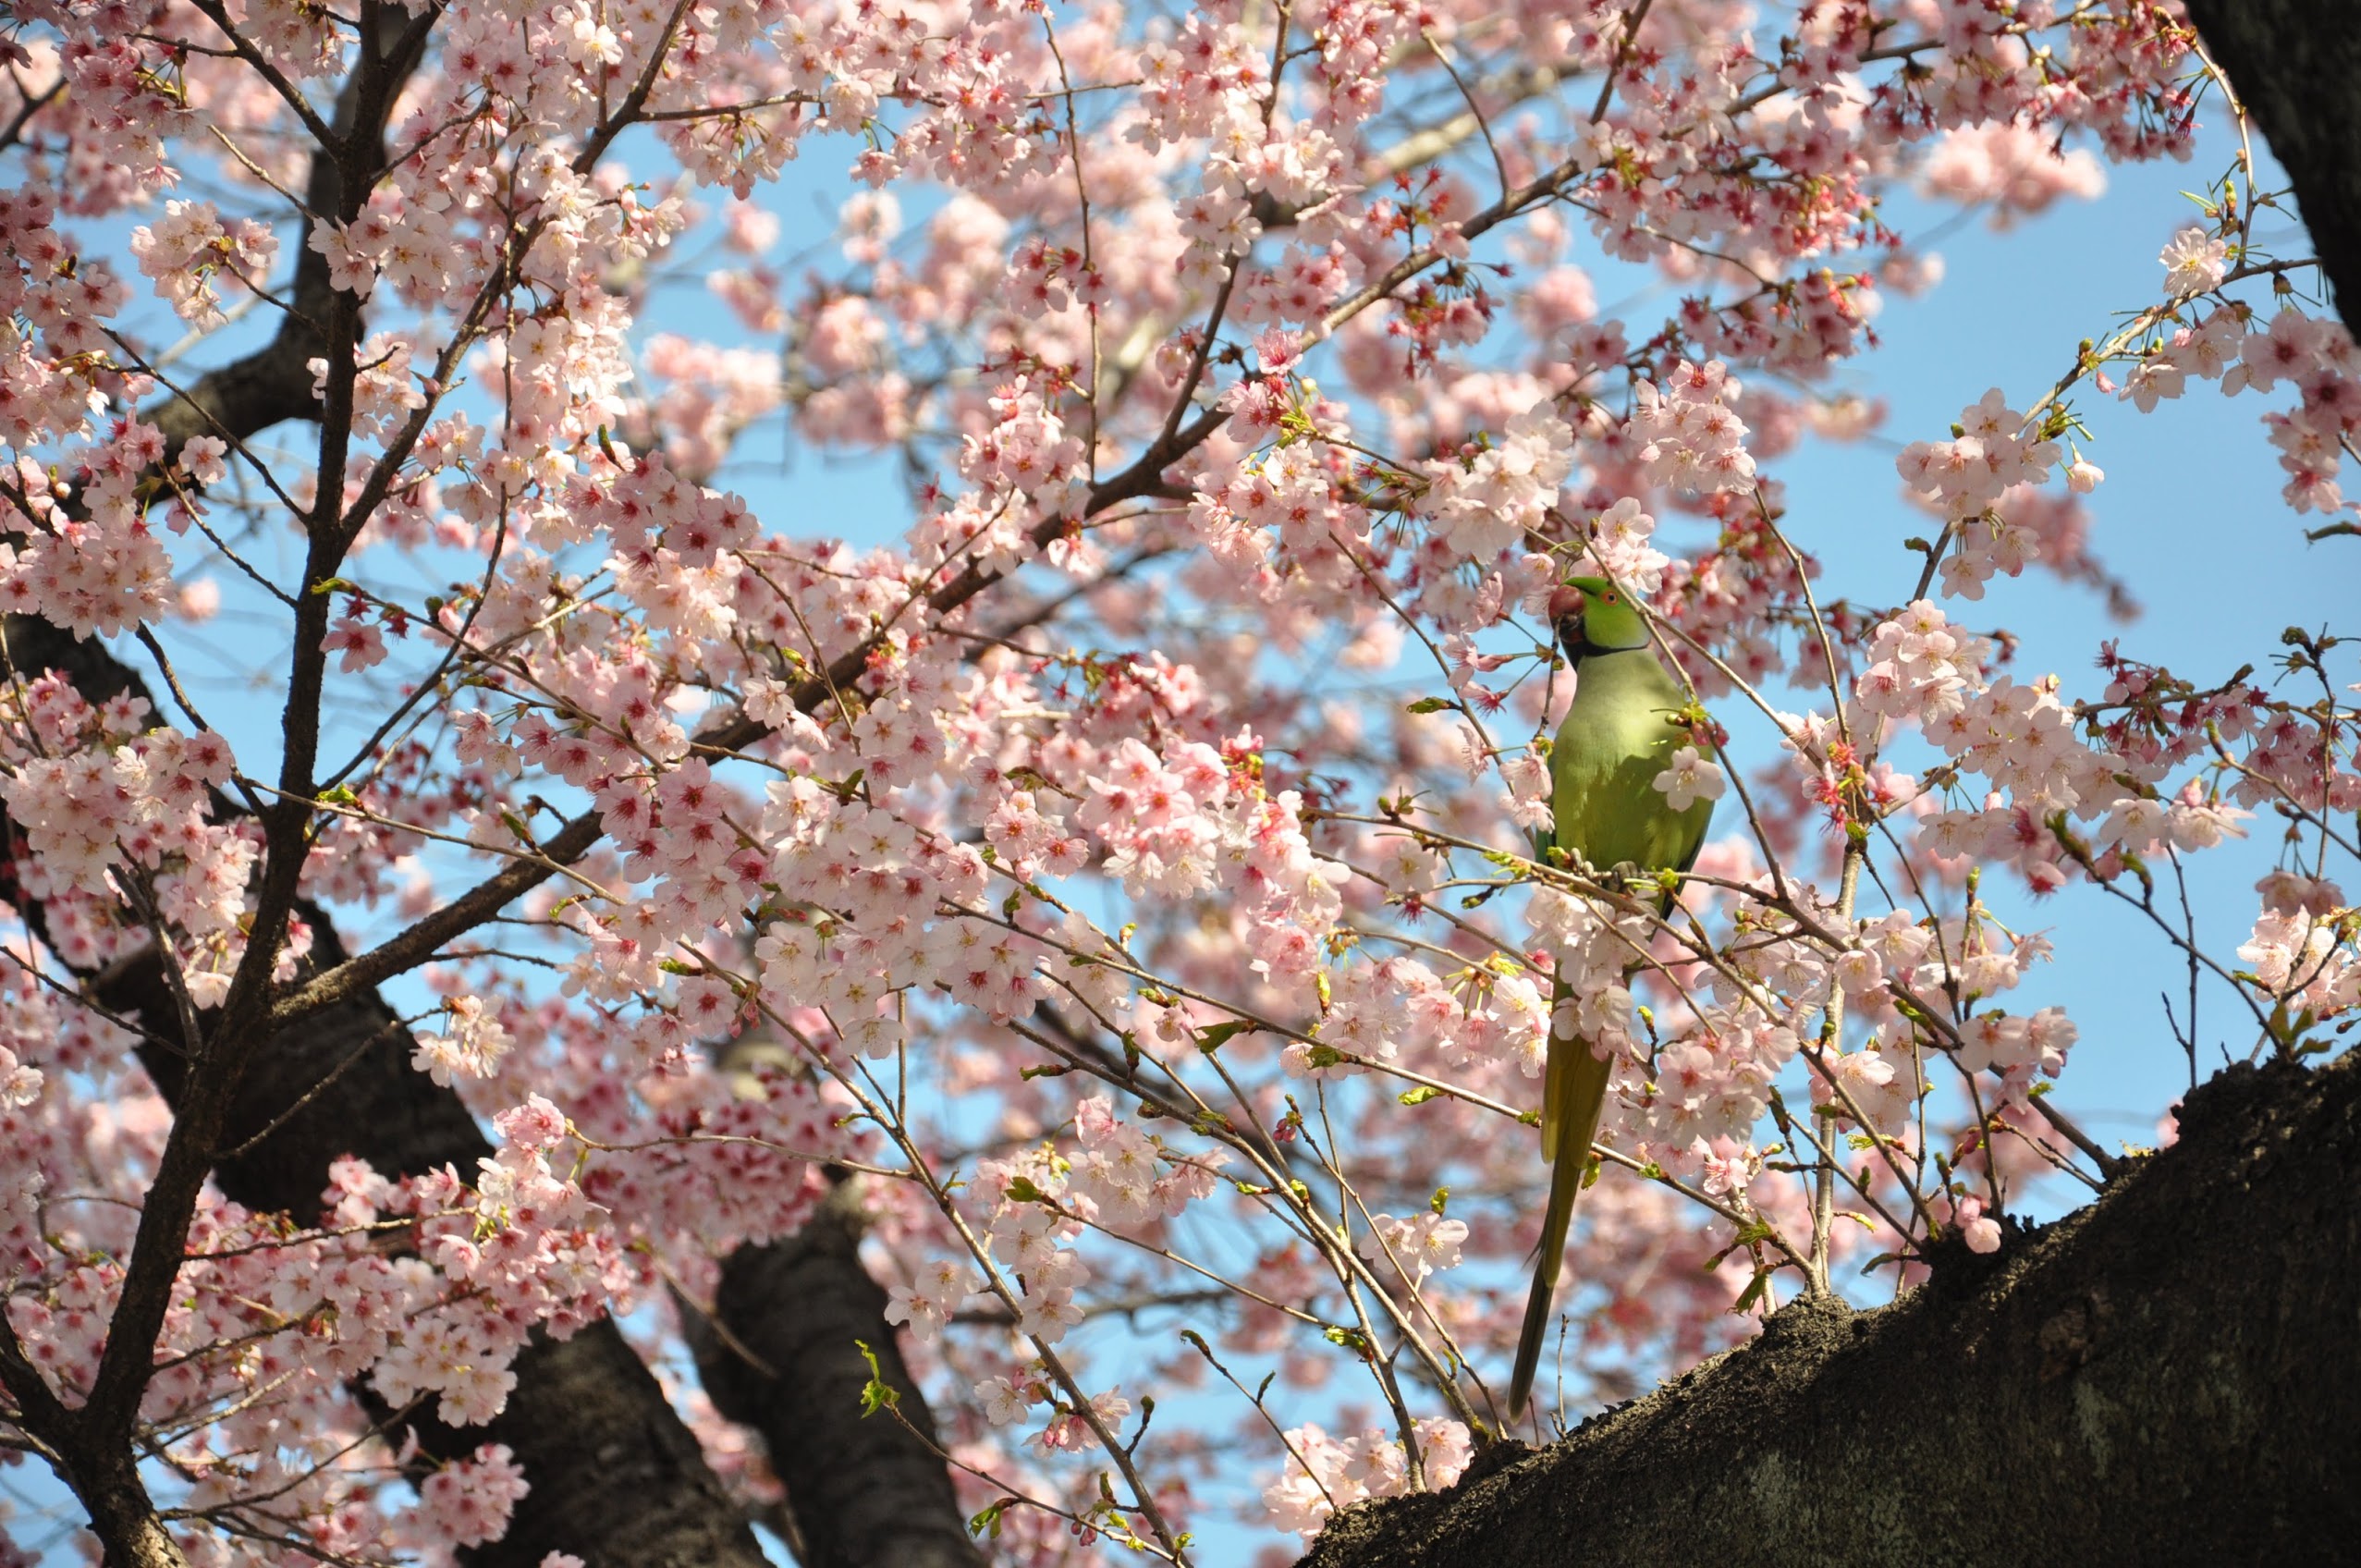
(781, 1354)
(2168, 1375)
(2296, 64)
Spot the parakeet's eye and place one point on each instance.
(1611, 599)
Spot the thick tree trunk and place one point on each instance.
(2296, 64)
(122, 1517)
(2169, 1375)
(784, 1358)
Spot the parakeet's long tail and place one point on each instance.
(1573, 1091)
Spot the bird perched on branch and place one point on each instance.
(1619, 735)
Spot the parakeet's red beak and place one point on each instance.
(1566, 620)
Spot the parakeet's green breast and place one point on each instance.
(1616, 739)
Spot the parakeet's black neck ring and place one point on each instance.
(1579, 647)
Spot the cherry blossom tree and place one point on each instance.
(677, 1020)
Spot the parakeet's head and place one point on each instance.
(1591, 615)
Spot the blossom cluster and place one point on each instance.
(1325, 1474)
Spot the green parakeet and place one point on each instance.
(1617, 740)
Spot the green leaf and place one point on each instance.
(877, 1394)
(988, 1521)
(1420, 1095)
(1431, 704)
(1213, 1040)
(1911, 1010)
(1021, 1189)
(1352, 1340)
